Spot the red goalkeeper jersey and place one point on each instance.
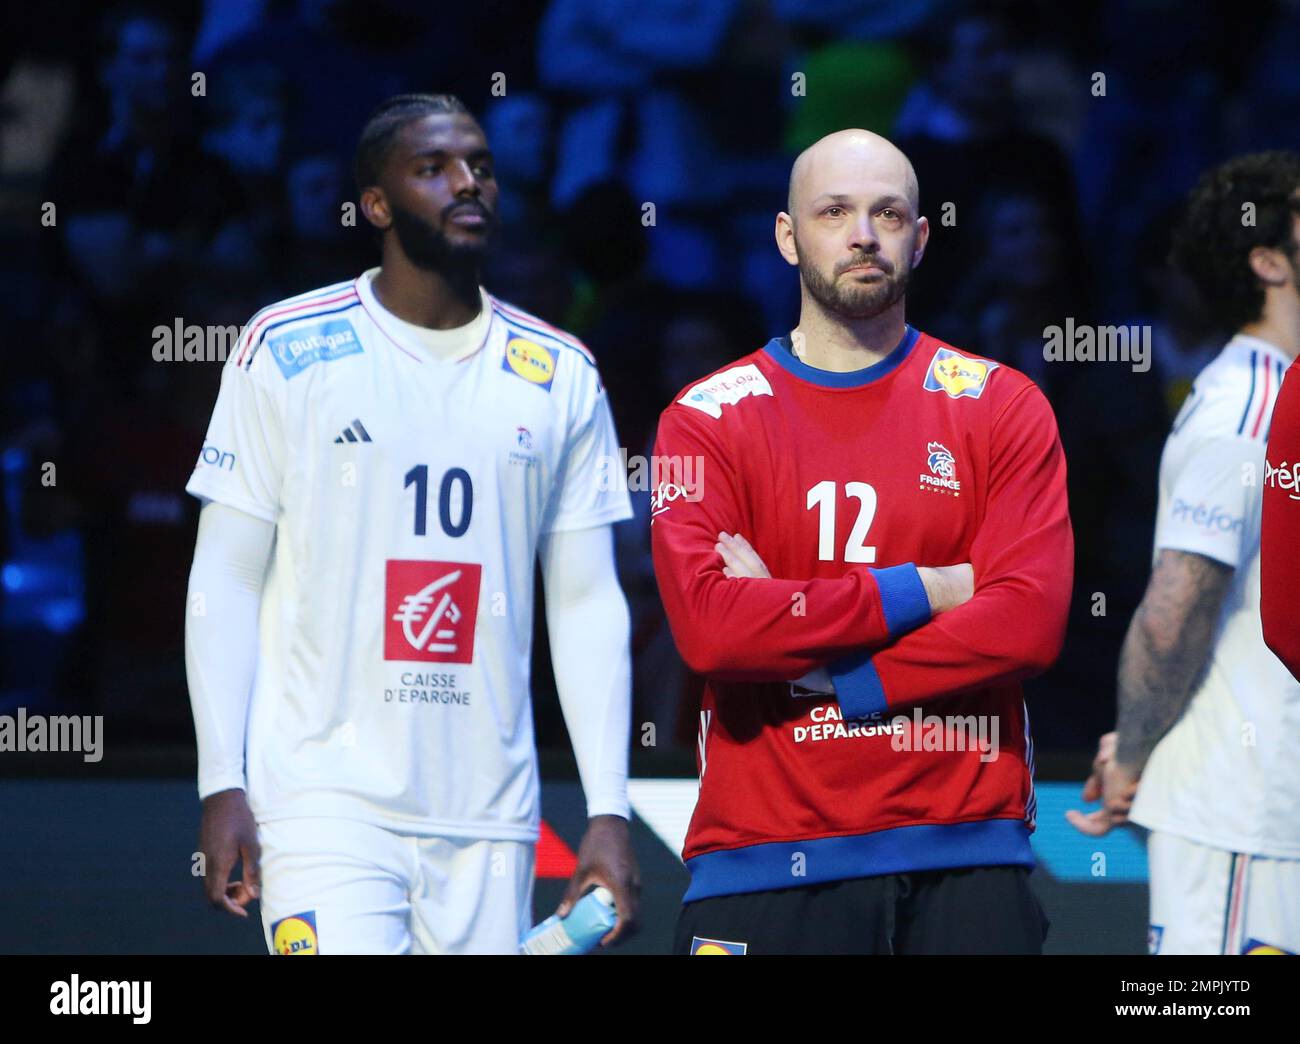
(844, 483)
(1279, 549)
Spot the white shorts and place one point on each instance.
(343, 886)
(1210, 901)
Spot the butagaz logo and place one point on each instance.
(214, 457)
(1207, 519)
(726, 389)
(298, 349)
(1285, 477)
(943, 470)
(74, 997)
(430, 611)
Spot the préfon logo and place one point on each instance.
(1285, 477)
(1211, 519)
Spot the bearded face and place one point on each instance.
(858, 287)
(430, 248)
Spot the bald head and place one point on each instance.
(843, 162)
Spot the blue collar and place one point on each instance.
(781, 351)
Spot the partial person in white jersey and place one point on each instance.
(387, 460)
(1206, 755)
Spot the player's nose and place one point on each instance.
(863, 238)
(462, 182)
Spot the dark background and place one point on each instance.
(206, 208)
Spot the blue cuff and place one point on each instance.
(902, 598)
(857, 685)
(906, 606)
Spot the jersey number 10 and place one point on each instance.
(418, 477)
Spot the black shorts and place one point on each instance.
(971, 910)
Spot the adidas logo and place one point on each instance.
(355, 432)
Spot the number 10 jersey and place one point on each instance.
(409, 493)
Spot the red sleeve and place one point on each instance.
(1023, 558)
(747, 629)
(1279, 549)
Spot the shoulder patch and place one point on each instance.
(957, 374)
(295, 350)
(529, 360)
(726, 389)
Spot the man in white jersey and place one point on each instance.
(387, 459)
(1209, 718)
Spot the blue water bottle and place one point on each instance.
(591, 917)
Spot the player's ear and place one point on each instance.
(922, 238)
(374, 205)
(1271, 267)
(785, 238)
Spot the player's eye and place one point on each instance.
(833, 211)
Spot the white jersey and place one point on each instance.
(409, 493)
(1228, 773)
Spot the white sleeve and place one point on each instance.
(590, 629)
(241, 463)
(225, 594)
(1210, 502)
(591, 487)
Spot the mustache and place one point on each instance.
(865, 259)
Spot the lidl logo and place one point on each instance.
(1254, 946)
(717, 948)
(530, 361)
(957, 375)
(295, 936)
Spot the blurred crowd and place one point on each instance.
(191, 160)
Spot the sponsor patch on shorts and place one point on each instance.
(295, 936)
(716, 948)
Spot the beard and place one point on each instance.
(856, 301)
(426, 247)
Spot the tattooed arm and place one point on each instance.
(1167, 649)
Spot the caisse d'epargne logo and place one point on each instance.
(429, 610)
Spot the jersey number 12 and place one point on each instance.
(822, 497)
